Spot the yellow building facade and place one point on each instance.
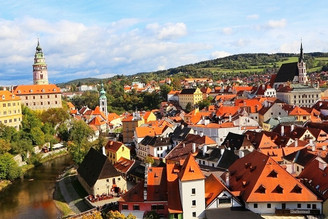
(10, 109)
(115, 150)
(192, 96)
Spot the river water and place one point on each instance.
(32, 197)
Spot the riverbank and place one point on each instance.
(5, 183)
(69, 194)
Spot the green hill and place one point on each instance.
(241, 64)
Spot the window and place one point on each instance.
(255, 205)
(194, 214)
(125, 207)
(193, 203)
(4, 105)
(283, 206)
(299, 205)
(308, 205)
(193, 191)
(269, 205)
(314, 206)
(9, 104)
(136, 207)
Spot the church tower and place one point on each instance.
(40, 72)
(302, 77)
(103, 101)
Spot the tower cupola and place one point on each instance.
(40, 70)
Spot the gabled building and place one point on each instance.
(315, 177)
(266, 188)
(192, 96)
(98, 176)
(115, 150)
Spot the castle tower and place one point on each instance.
(302, 77)
(40, 72)
(103, 101)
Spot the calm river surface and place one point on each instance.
(31, 197)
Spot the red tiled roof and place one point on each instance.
(173, 193)
(213, 187)
(190, 170)
(123, 165)
(113, 146)
(261, 179)
(7, 96)
(36, 89)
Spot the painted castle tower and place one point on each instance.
(40, 72)
(103, 101)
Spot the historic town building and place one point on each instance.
(40, 71)
(10, 109)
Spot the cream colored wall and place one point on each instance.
(104, 186)
(41, 101)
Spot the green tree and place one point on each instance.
(8, 167)
(30, 119)
(5, 146)
(55, 116)
(165, 89)
(62, 132)
(188, 107)
(37, 136)
(79, 134)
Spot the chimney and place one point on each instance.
(311, 142)
(104, 151)
(201, 133)
(292, 127)
(230, 118)
(196, 132)
(296, 142)
(204, 149)
(227, 180)
(282, 130)
(222, 151)
(147, 167)
(324, 147)
(183, 145)
(193, 147)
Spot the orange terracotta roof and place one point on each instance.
(173, 193)
(298, 111)
(73, 111)
(190, 170)
(261, 179)
(213, 187)
(36, 89)
(112, 116)
(143, 131)
(70, 105)
(8, 96)
(227, 110)
(97, 121)
(113, 146)
(156, 181)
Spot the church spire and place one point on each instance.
(301, 58)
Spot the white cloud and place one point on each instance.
(253, 16)
(161, 67)
(277, 23)
(227, 30)
(168, 31)
(219, 54)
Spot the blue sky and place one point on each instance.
(103, 38)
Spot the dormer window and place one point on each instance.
(13, 96)
(54, 89)
(252, 168)
(261, 189)
(273, 174)
(191, 169)
(297, 189)
(43, 90)
(31, 91)
(3, 97)
(19, 91)
(278, 189)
